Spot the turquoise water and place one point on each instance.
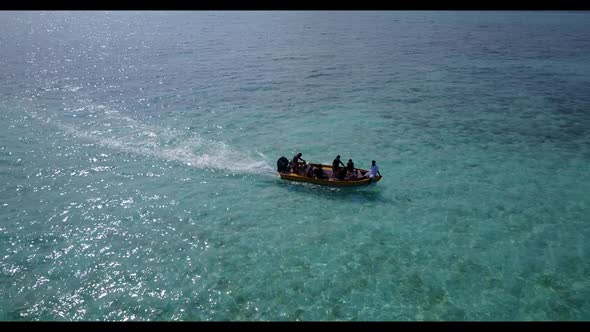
(137, 155)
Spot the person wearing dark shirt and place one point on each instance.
(341, 175)
(336, 165)
(319, 173)
(295, 163)
(350, 165)
(351, 170)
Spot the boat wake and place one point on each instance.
(123, 133)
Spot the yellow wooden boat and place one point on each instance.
(330, 181)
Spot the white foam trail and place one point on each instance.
(147, 140)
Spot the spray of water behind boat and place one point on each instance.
(132, 136)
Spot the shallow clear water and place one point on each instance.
(137, 155)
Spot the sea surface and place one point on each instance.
(138, 154)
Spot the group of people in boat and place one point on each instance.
(339, 170)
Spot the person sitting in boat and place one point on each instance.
(374, 171)
(309, 171)
(302, 169)
(336, 166)
(351, 170)
(318, 172)
(350, 165)
(295, 163)
(341, 175)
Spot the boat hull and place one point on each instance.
(331, 181)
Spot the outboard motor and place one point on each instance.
(283, 165)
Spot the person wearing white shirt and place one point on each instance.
(374, 171)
